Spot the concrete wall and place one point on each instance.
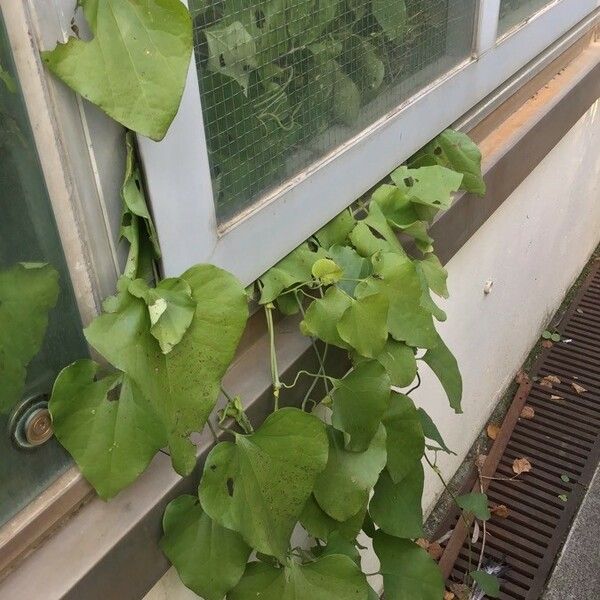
(533, 248)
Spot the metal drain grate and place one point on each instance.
(562, 442)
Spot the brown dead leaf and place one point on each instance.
(460, 590)
(521, 465)
(579, 388)
(423, 543)
(547, 344)
(549, 381)
(500, 510)
(480, 460)
(557, 398)
(435, 551)
(448, 595)
(492, 431)
(521, 377)
(528, 412)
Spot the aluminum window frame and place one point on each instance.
(178, 175)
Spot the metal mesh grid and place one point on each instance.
(283, 82)
(513, 12)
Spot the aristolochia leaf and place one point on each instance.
(396, 507)
(112, 440)
(435, 274)
(343, 488)
(360, 400)
(135, 66)
(489, 584)
(333, 577)
(475, 503)
(320, 525)
(444, 365)
(399, 362)
(336, 231)
(27, 293)
(409, 573)
(209, 558)
(405, 439)
(323, 315)
(431, 431)
(182, 385)
(258, 486)
(354, 267)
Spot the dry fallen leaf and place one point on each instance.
(492, 431)
(521, 377)
(461, 590)
(521, 465)
(500, 510)
(547, 344)
(549, 380)
(528, 412)
(480, 460)
(579, 388)
(435, 551)
(423, 543)
(448, 595)
(557, 398)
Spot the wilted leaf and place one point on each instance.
(521, 377)
(133, 69)
(500, 510)
(492, 431)
(547, 344)
(521, 465)
(527, 412)
(549, 381)
(557, 398)
(259, 485)
(579, 388)
(449, 595)
(326, 271)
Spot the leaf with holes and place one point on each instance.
(475, 503)
(209, 559)
(333, 577)
(183, 385)
(488, 584)
(28, 291)
(135, 67)
(396, 507)
(258, 486)
(111, 440)
(444, 365)
(405, 438)
(360, 400)
(343, 488)
(409, 573)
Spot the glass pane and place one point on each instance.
(28, 234)
(285, 82)
(514, 12)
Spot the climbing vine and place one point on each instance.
(344, 466)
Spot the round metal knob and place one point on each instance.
(38, 427)
(31, 423)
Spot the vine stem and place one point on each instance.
(289, 386)
(274, 370)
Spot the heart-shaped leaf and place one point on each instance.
(405, 439)
(409, 573)
(399, 362)
(112, 440)
(27, 293)
(209, 558)
(333, 577)
(258, 486)
(343, 488)
(489, 584)
(353, 265)
(430, 186)
(320, 525)
(134, 70)
(396, 507)
(323, 315)
(360, 400)
(182, 385)
(444, 365)
(476, 504)
(336, 231)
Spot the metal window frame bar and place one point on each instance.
(178, 177)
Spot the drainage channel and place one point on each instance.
(562, 443)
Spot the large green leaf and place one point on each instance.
(398, 279)
(320, 525)
(323, 315)
(343, 488)
(489, 584)
(409, 573)
(360, 400)
(457, 151)
(399, 361)
(112, 439)
(182, 385)
(27, 293)
(258, 486)
(475, 503)
(209, 558)
(333, 577)
(295, 268)
(135, 66)
(396, 507)
(391, 16)
(353, 265)
(405, 439)
(444, 365)
(336, 232)
(363, 326)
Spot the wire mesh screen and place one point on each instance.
(513, 12)
(285, 82)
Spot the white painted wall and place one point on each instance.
(533, 248)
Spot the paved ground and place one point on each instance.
(576, 574)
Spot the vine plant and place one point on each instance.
(346, 465)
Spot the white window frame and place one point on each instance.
(178, 175)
